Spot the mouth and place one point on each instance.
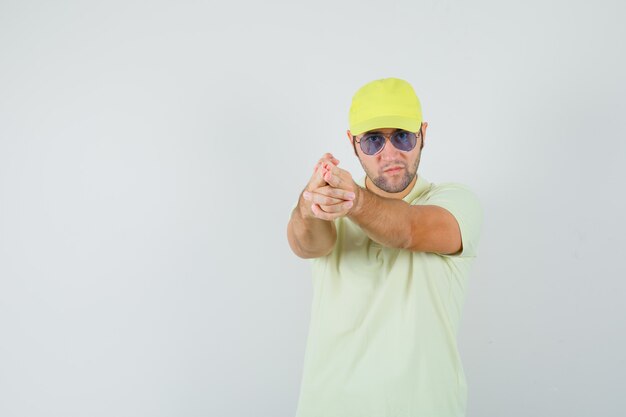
(393, 169)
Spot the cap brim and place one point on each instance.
(398, 122)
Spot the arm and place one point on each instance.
(397, 224)
(309, 237)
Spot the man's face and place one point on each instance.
(391, 169)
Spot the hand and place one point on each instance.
(317, 181)
(335, 199)
(339, 178)
(329, 203)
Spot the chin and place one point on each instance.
(393, 187)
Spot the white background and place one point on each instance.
(150, 154)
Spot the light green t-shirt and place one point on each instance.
(382, 334)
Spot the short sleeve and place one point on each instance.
(465, 206)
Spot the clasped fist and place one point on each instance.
(331, 191)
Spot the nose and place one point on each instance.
(389, 152)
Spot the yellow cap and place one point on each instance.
(384, 103)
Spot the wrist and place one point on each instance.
(359, 197)
(304, 209)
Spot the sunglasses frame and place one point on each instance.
(387, 137)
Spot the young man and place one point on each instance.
(390, 254)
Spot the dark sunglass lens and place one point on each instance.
(405, 141)
(372, 143)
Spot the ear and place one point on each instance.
(423, 129)
(352, 142)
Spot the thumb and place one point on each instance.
(317, 179)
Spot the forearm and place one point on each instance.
(385, 220)
(308, 236)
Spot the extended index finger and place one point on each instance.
(330, 161)
(330, 156)
(332, 175)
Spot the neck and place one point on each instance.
(399, 195)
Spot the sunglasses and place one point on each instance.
(374, 142)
